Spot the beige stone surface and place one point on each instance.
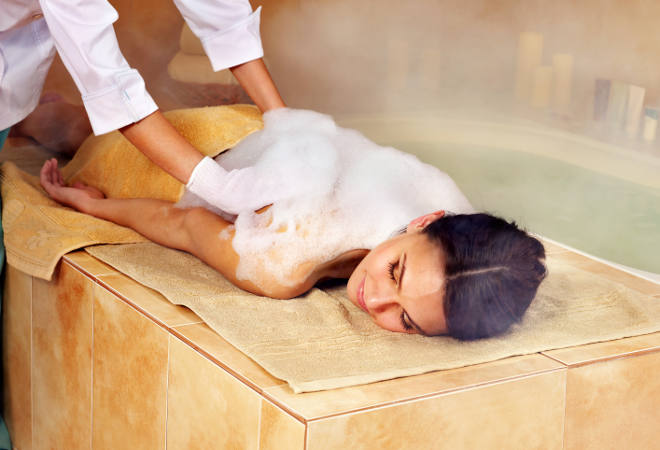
(279, 430)
(526, 413)
(606, 350)
(551, 249)
(88, 264)
(130, 376)
(16, 356)
(148, 301)
(207, 407)
(211, 344)
(62, 360)
(314, 405)
(627, 279)
(614, 404)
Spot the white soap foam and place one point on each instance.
(342, 192)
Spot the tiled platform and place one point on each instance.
(95, 360)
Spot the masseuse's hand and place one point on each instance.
(76, 196)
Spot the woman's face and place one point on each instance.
(400, 283)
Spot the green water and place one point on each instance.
(596, 213)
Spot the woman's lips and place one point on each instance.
(360, 295)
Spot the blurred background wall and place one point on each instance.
(343, 56)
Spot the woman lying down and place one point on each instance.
(337, 206)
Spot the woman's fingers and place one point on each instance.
(50, 177)
(45, 175)
(60, 179)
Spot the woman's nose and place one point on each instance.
(379, 302)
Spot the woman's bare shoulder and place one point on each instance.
(211, 239)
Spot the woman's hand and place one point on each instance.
(77, 196)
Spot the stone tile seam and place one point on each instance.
(132, 305)
(87, 272)
(443, 393)
(563, 421)
(91, 393)
(306, 437)
(138, 308)
(238, 377)
(146, 313)
(631, 354)
(31, 364)
(167, 386)
(261, 413)
(284, 411)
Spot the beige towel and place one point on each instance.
(322, 341)
(38, 231)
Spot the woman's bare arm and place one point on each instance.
(194, 230)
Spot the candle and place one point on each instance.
(617, 103)
(634, 109)
(530, 50)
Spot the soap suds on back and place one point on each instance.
(337, 191)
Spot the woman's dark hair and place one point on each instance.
(492, 272)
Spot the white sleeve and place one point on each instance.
(113, 93)
(228, 30)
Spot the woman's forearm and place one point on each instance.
(258, 84)
(163, 145)
(157, 220)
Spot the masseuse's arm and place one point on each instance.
(114, 94)
(229, 33)
(258, 84)
(161, 143)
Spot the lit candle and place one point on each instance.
(530, 50)
(617, 104)
(634, 109)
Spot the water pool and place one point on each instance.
(607, 215)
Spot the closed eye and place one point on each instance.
(404, 322)
(390, 269)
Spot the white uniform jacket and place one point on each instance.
(81, 31)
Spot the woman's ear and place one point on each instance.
(421, 222)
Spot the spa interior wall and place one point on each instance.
(345, 56)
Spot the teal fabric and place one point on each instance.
(5, 443)
(3, 136)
